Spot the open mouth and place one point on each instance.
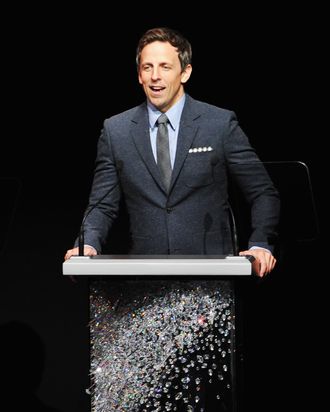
(157, 89)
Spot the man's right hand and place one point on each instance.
(88, 251)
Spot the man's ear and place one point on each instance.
(186, 73)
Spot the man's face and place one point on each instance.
(161, 76)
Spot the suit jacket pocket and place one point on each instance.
(199, 180)
(142, 245)
(198, 171)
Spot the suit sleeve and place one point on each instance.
(253, 181)
(104, 198)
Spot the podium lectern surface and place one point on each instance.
(158, 265)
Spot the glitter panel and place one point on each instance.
(161, 345)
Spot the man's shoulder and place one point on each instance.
(126, 115)
(209, 110)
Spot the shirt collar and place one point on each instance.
(173, 114)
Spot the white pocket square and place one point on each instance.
(200, 149)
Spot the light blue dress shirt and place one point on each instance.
(174, 116)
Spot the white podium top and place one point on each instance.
(166, 265)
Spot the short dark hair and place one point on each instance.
(165, 34)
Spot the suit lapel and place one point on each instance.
(187, 133)
(141, 137)
(186, 136)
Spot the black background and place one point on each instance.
(64, 71)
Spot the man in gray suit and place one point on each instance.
(167, 345)
(184, 210)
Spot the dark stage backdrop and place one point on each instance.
(68, 71)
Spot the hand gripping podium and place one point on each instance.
(162, 331)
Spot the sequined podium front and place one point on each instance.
(164, 343)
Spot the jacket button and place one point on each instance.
(169, 209)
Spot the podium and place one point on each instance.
(153, 265)
(162, 330)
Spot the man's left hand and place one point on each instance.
(264, 261)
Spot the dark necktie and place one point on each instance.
(163, 150)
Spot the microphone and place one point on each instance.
(233, 230)
(81, 238)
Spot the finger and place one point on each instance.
(68, 254)
(256, 267)
(270, 264)
(263, 267)
(243, 253)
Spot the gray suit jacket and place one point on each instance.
(193, 218)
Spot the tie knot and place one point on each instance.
(162, 119)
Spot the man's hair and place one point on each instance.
(164, 34)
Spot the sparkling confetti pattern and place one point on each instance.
(161, 345)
